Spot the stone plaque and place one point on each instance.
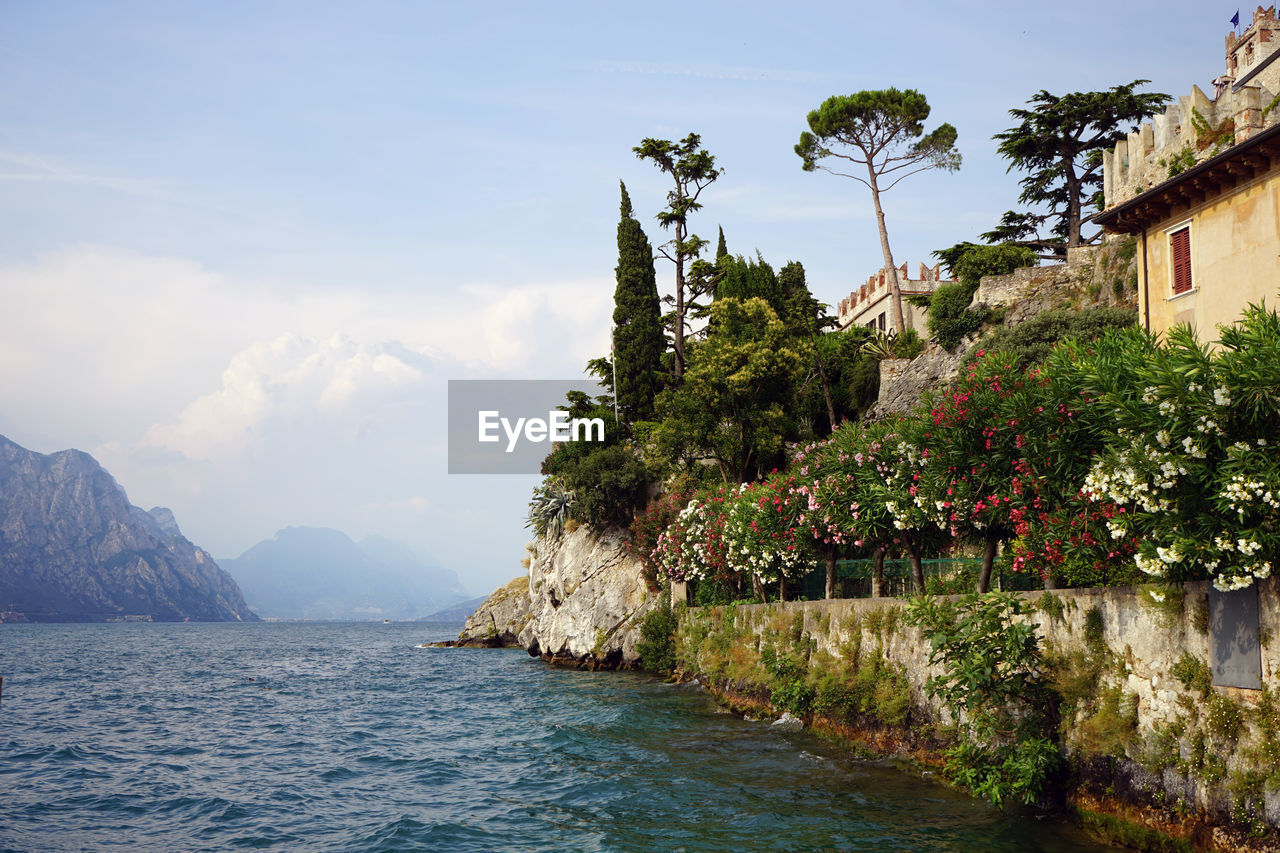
(1234, 653)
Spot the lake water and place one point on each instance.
(347, 737)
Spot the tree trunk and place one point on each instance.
(877, 575)
(900, 322)
(677, 332)
(826, 386)
(829, 553)
(917, 572)
(988, 558)
(782, 587)
(1073, 206)
(759, 588)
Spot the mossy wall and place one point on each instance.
(1141, 722)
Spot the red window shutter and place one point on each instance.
(1180, 248)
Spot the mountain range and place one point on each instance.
(320, 573)
(72, 548)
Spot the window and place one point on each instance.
(1180, 257)
(880, 320)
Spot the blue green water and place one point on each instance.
(347, 737)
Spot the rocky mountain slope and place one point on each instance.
(320, 573)
(72, 548)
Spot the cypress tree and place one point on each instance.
(722, 250)
(637, 319)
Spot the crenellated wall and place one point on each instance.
(1197, 126)
(865, 305)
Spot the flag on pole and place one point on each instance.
(1235, 19)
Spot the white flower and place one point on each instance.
(1221, 397)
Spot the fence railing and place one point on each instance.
(942, 577)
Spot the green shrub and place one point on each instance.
(657, 646)
(795, 696)
(950, 318)
(609, 483)
(1193, 673)
(992, 669)
(1032, 340)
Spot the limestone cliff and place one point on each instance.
(72, 548)
(498, 621)
(581, 603)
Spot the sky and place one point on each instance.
(244, 246)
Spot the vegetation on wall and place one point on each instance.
(992, 674)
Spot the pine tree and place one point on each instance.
(637, 320)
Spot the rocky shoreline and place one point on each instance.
(580, 605)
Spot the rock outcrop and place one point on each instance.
(904, 381)
(497, 622)
(587, 596)
(1092, 276)
(581, 603)
(72, 548)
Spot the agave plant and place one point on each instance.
(878, 345)
(550, 509)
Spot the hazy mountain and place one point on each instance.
(455, 613)
(72, 548)
(318, 573)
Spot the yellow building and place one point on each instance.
(1199, 187)
(1208, 238)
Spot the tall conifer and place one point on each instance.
(637, 320)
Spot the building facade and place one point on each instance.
(871, 305)
(1199, 187)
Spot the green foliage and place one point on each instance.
(1112, 726)
(992, 669)
(870, 122)
(732, 405)
(608, 483)
(637, 319)
(550, 508)
(950, 318)
(657, 647)
(1164, 601)
(1209, 137)
(1223, 718)
(1051, 606)
(1180, 162)
(1059, 142)
(794, 695)
(1190, 448)
(740, 278)
(1131, 835)
(1032, 340)
(1193, 673)
(1094, 629)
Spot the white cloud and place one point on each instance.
(289, 377)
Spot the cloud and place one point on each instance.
(247, 405)
(289, 377)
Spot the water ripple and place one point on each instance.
(350, 738)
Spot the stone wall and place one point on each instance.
(1175, 748)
